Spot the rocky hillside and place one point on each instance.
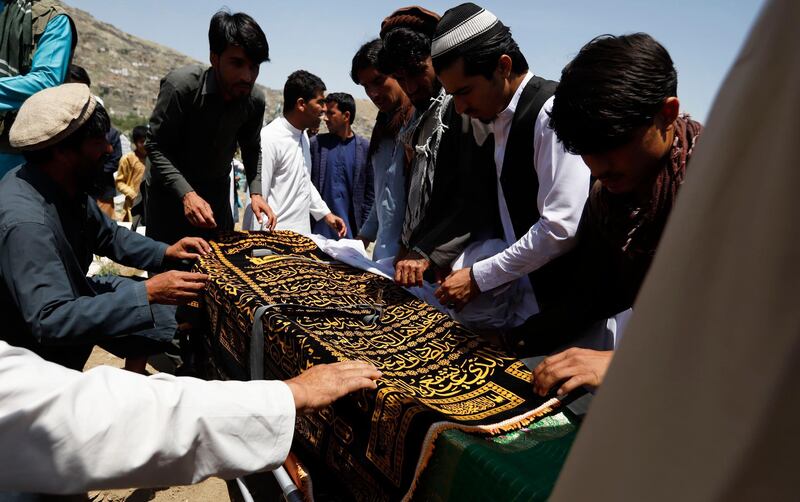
(125, 72)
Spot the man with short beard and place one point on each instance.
(287, 160)
(50, 229)
(447, 204)
(387, 154)
(617, 107)
(201, 115)
(339, 167)
(541, 188)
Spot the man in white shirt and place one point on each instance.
(541, 188)
(286, 160)
(63, 431)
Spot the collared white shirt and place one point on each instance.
(285, 180)
(563, 188)
(63, 431)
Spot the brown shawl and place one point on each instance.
(636, 228)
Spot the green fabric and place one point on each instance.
(520, 465)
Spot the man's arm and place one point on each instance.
(48, 67)
(249, 139)
(148, 431)
(563, 189)
(166, 122)
(38, 283)
(172, 430)
(122, 245)
(319, 209)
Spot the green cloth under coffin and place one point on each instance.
(437, 375)
(515, 466)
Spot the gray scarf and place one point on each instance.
(423, 165)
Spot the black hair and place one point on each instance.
(366, 57)
(79, 75)
(344, 102)
(404, 49)
(240, 30)
(139, 133)
(481, 59)
(96, 126)
(300, 85)
(614, 86)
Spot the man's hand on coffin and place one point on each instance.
(261, 209)
(337, 224)
(197, 211)
(175, 287)
(408, 270)
(572, 368)
(188, 248)
(321, 385)
(458, 289)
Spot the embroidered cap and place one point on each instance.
(414, 17)
(464, 27)
(51, 115)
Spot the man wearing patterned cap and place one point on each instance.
(446, 207)
(50, 229)
(37, 42)
(541, 189)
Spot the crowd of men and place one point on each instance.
(480, 179)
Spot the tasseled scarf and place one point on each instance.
(423, 167)
(636, 228)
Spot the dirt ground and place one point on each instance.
(211, 490)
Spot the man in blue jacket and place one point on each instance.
(50, 229)
(340, 168)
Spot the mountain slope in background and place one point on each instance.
(126, 70)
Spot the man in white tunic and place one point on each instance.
(63, 431)
(541, 189)
(286, 160)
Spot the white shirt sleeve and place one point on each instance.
(268, 160)
(563, 189)
(319, 209)
(108, 428)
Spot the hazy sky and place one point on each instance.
(703, 36)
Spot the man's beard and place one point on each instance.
(235, 91)
(91, 178)
(424, 104)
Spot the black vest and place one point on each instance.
(521, 186)
(518, 179)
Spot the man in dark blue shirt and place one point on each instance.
(340, 169)
(50, 229)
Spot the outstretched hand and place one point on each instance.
(263, 213)
(198, 211)
(409, 270)
(188, 248)
(322, 384)
(337, 224)
(458, 289)
(574, 367)
(175, 287)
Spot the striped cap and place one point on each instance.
(463, 27)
